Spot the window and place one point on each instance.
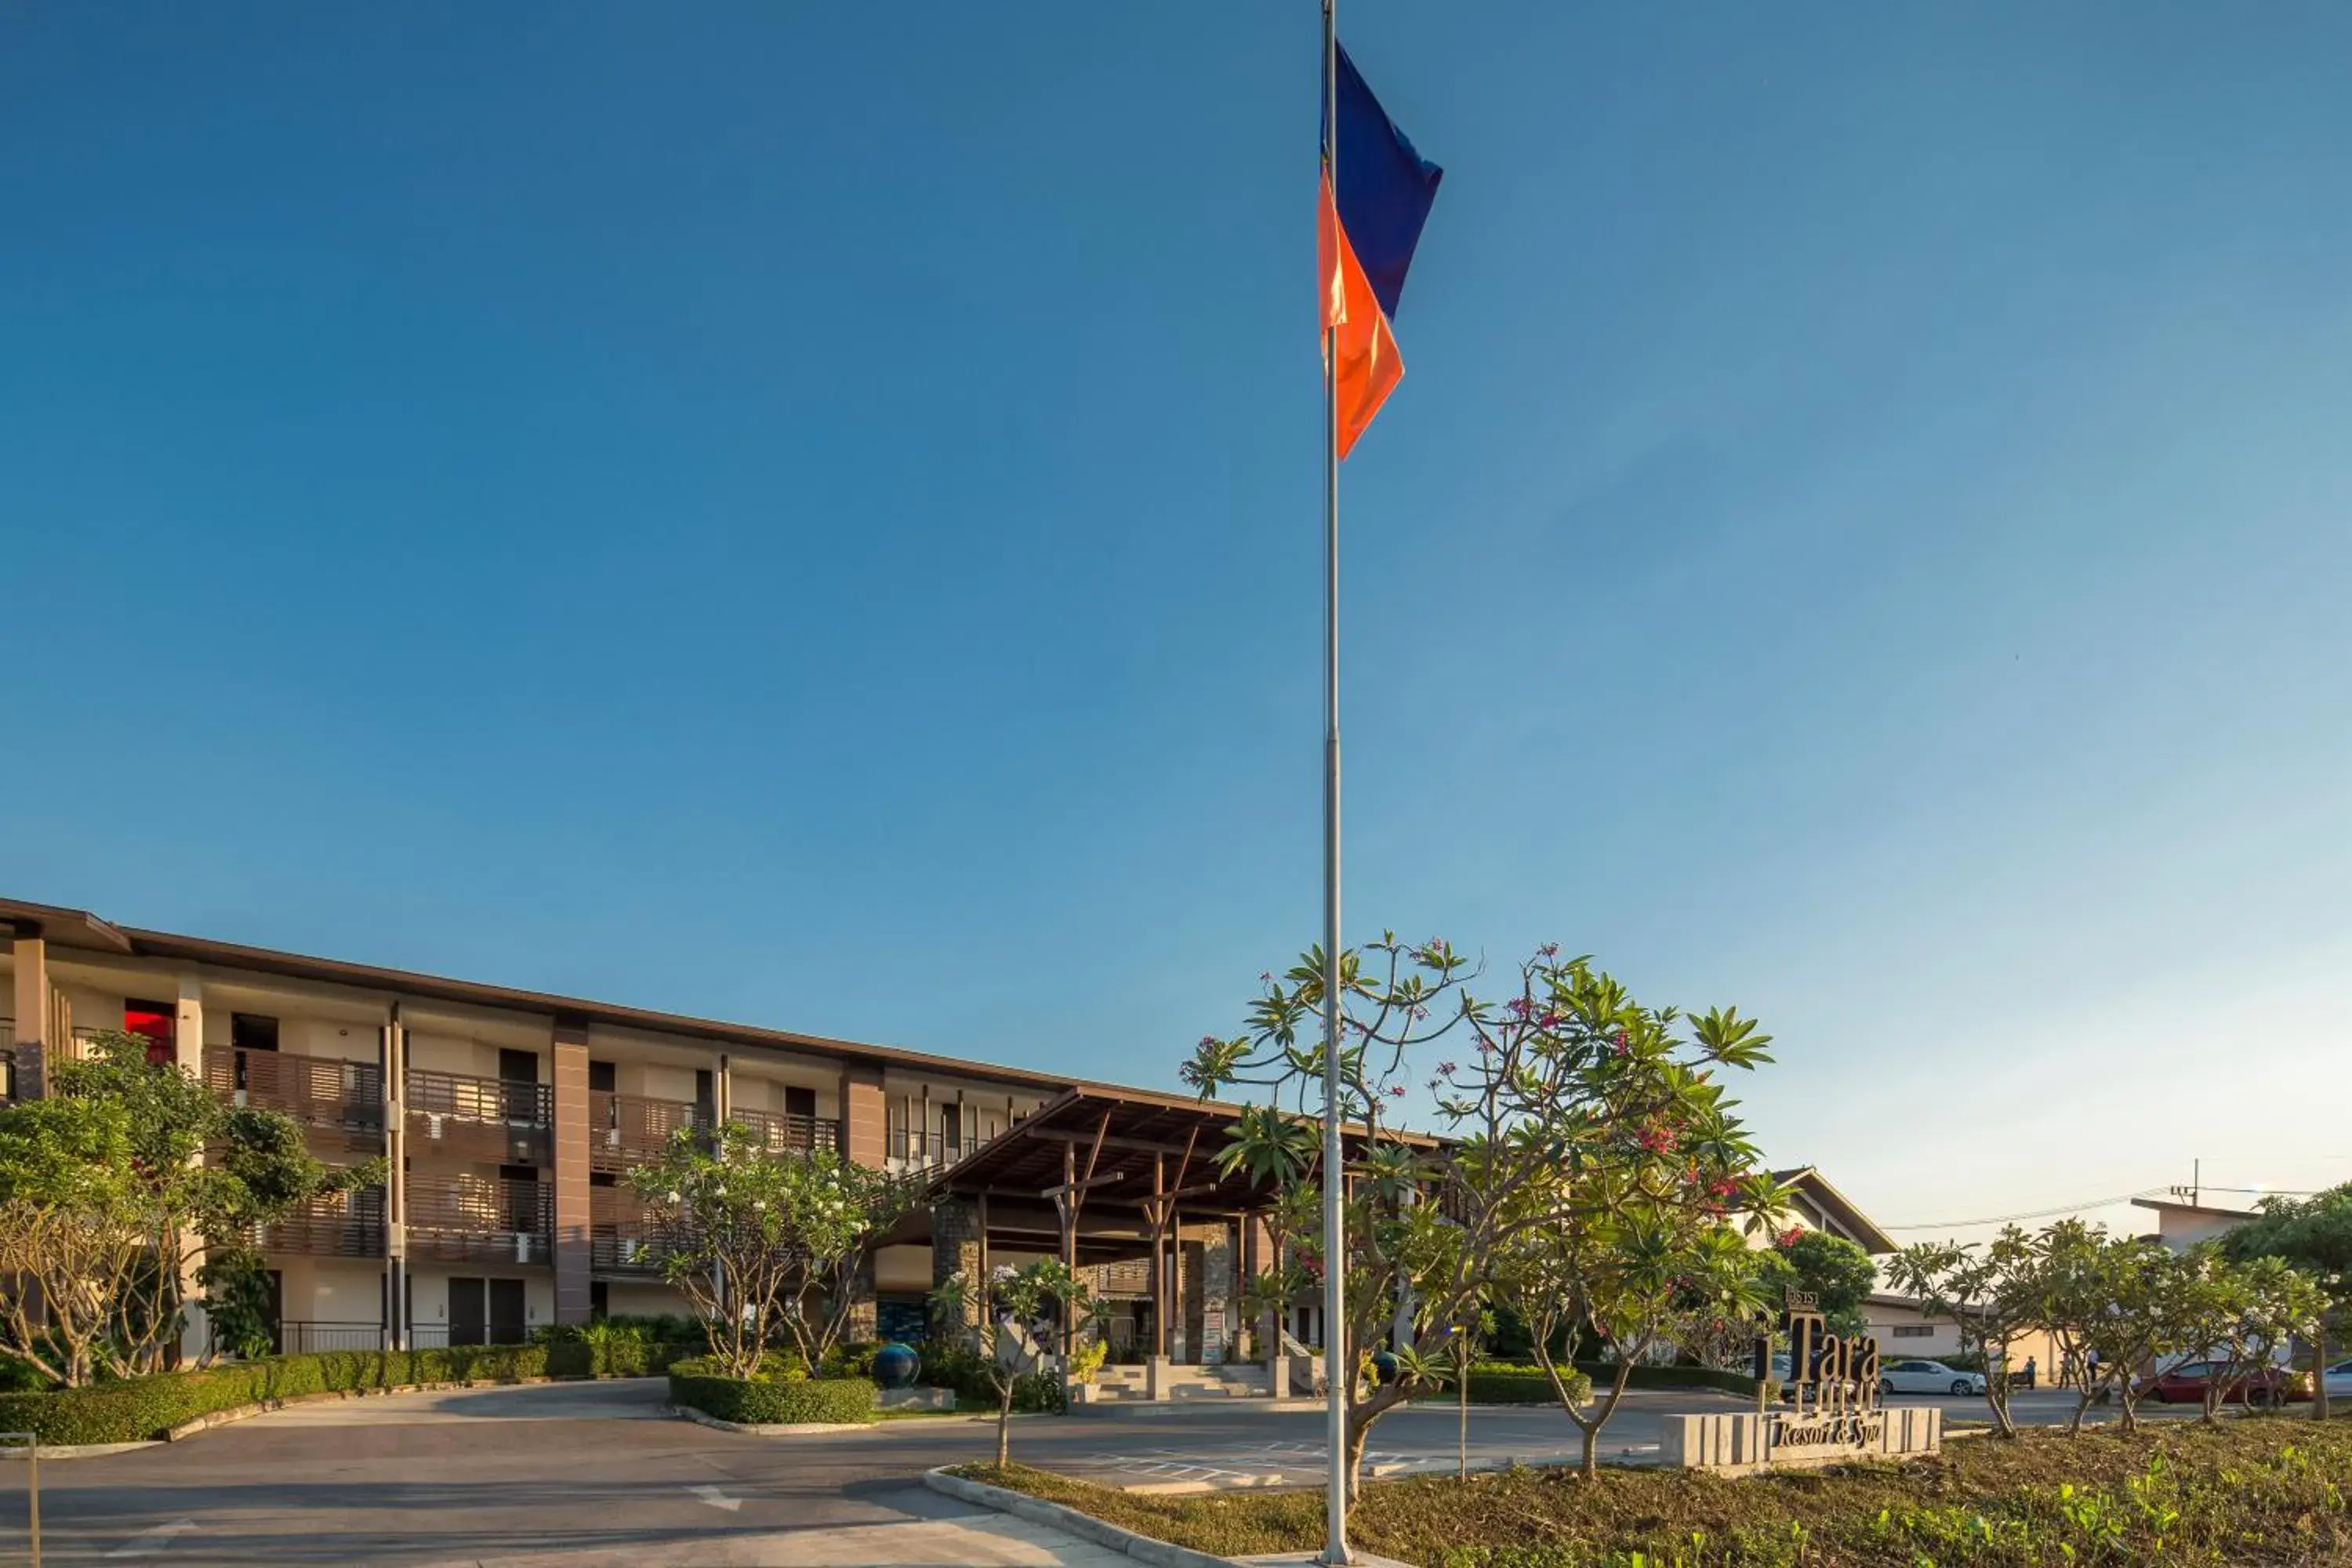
(252, 1032)
(599, 1300)
(800, 1102)
(1914, 1331)
(157, 1022)
(599, 1078)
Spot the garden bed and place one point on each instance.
(2260, 1491)
(139, 1409)
(1513, 1382)
(772, 1402)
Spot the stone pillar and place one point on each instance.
(568, 1058)
(188, 1056)
(956, 1246)
(394, 1050)
(864, 1130)
(31, 955)
(722, 1092)
(1261, 1263)
(862, 1322)
(1218, 1316)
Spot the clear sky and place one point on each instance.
(811, 515)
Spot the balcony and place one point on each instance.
(783, 1132)
(478, 1118)
(919, 1149)
(479, 1219)
(622, 1235)
(318, 1091)
(625, 1129)
(334, 1225)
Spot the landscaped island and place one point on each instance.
(2260, 1492)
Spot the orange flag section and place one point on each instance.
(1369, 365)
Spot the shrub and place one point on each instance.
(139, 1408)
(758, 1402)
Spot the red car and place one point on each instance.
(2184, 1384)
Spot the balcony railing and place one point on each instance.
(478, 1219)
(334, 1225)
(322, 1091)
(480, 1117)
(782, 1132)
(622, 1237)
(920, 1147)
(298, 1336)
(625, 1129)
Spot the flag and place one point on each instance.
(1366, 230)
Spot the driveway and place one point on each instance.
(594, 1472)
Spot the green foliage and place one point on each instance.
(133, 1409)
(766, 1401)
(103, 1207)
(767, 1243)
(1839, 1275)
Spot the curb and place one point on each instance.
(1070, 1521)
(75, 1450)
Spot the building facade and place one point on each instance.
(506, 1119)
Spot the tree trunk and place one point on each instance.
(2319, 1372)
(1361, 1418)
(1003, 1424)
(1461, 1404)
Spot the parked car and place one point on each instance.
(1927, 1377)
(2339, 1379)
(2184, 1384)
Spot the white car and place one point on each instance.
(1927, 1377)
(2339, 1379)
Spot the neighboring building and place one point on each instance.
(1816, 1206)
(2180, 1225)
(1907, 1331)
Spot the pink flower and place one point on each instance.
(1519, 1006)
(1549, 950)
(1211, 1040)
(1396, 1091)
(1790, 1237)
(1266, 976)
(1446, 1069)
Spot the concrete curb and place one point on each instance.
(771, 1428)
(1070, 1521)
(77, 1450)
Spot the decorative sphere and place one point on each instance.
(1385, 1365)
(895, 1365)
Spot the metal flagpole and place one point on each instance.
(1335, 1268)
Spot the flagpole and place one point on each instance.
(1336, 1362)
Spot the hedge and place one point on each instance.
(838, 1400)
(1496, 1382)
(144, 1407)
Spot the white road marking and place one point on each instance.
(152, 1540)
(716, 1499)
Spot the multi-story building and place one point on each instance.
(506, 1117)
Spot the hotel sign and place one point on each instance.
(1833, 1382)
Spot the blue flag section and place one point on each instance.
(1384, 187)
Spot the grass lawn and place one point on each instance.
(2259, 1491)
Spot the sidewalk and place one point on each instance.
(980, 1540)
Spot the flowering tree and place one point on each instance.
(766, 1245)
(2313, 1235)
(2241, 1317)
(106, 1203)
(1837, 1274)
(1003, 1317)
(1638, 1172)
(1570, 1107)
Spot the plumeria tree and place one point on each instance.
(1565, 1103)
(1004, 1318)
(2241, 1317)
(768, 1244)
(2313, 1236)
(1837, 1274)
(1641, 1177)
(115, 1190)
(1994, 1293)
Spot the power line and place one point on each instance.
(2036, 1214)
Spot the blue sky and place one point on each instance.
(811, 515)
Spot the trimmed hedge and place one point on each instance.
(1503, 1384)
(139, 1408)
(840, 1400)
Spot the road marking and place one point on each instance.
(153, 1540)
(716, 1499)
